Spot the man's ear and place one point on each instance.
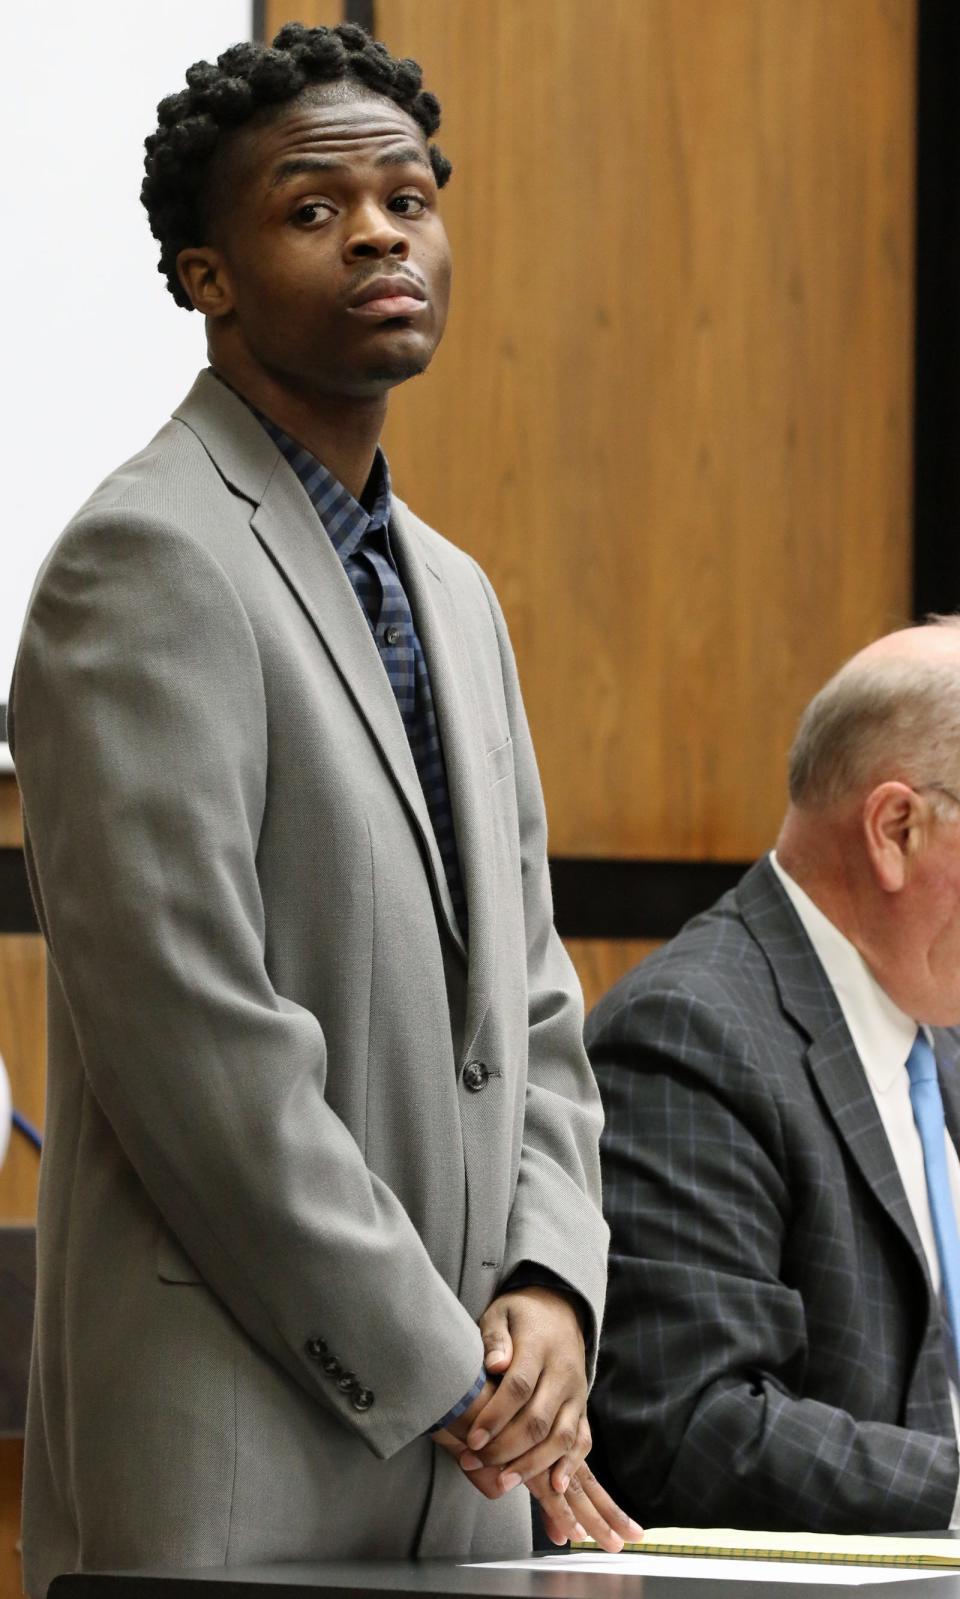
(205, 279)
(892, 821)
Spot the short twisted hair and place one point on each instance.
(194, 123)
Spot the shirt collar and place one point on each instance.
(345, 520)
(882, 1033)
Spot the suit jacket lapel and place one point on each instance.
(809, 1000)
(843, 1084)
(287, 526)
(946, 1047)
(464, 750)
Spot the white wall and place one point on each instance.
(96, 354)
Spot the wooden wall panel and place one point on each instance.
(601, 962)
(11, 1466)
(672, 416)
(11, 828)
(315, 13)
(22, 1034)
(23, 1049)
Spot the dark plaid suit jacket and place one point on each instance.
(772, 1355)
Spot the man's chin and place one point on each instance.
(390, 371)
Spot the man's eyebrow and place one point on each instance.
(296, 166)
(403, 157)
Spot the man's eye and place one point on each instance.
(313, 211)
(408, 205)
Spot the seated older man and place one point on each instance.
(784, 1304)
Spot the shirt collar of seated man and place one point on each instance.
(872, 833)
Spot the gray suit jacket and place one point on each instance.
(271, 1208)
(772, 1353)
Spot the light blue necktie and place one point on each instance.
(928, 1115)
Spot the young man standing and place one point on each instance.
(319, 1202)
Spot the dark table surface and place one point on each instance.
(449, 1580)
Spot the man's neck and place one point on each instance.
(823, 863)
(342, 431)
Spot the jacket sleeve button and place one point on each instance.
(331, 1365)
(361, 1399)
(346, 1382)
(316, 1348)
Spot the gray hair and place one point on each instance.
(877, 721)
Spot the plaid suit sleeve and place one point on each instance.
(699, 1408)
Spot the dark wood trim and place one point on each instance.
(936, 495)
(18, 1289)
(635, 899)
(17, 914)
(592, 898)
(361, 12)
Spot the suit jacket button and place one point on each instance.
(316, 1348)
(346, 1382)
(331, 1365)
(475, 1076)
(362, 1398)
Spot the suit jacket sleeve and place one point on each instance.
(141, 750)
(556, 1220)
(698, 1404)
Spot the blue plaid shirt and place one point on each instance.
(362, 541)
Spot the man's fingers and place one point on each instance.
(560, 1444)
(461, 1425)
(497, 1343)
(486, 1480)
(599, 1515)
(568, 1465)
(544, 1427)
(515, 1390)
(445, 1440)
(559, 1521)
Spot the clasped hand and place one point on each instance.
(529, 1422)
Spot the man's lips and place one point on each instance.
(389, 295)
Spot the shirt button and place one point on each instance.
(475, 1076)
(393, 635)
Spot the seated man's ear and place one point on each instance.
(203, 273)
(894, 820)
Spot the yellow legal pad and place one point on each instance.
(730, 1543)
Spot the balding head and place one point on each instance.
(873, 830)
(893, 711)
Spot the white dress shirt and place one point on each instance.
(883, 1036)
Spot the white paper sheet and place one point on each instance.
(768, 1571)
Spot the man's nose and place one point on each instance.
(374, 234)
